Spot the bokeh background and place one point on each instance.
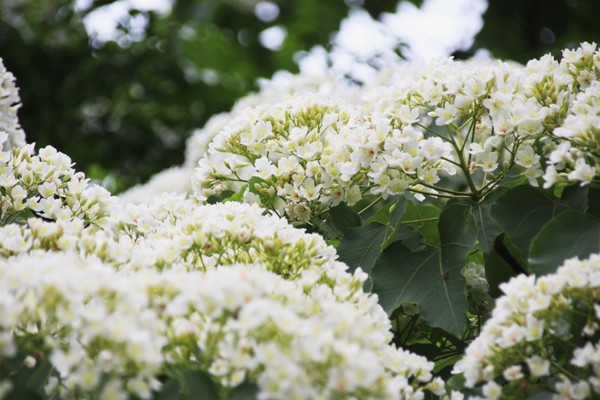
(119, 85)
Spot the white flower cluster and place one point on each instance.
(282, 86)
(46, 185)
(110, 335)
(486, 121)
(577, 157)
(542, 335)
(172, 285)
(177, 234)
(481, 112)
(423, 123)
(97, 329)
(11, 134)
(284, 156)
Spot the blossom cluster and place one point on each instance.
(114, 295)
(282, 156)
(542, 336)
(281, 87)
(177, 234)
(448, 129)
(109, 334)
(577, 157)
(46, 185)
(11, 134)
(106, 299)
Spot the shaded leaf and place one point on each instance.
(20, 393)
(34, 379)
(423, 218)
(522, 211)
(497, 271)
(237, 196)
(575, 197)
(171, 390)
(594, 201)
(200, 386)
(390, 213)
(220, 198)
(361, 246)
(342, 217)
(487, 226)
(245, 391)
(432, 279)
(572, 233)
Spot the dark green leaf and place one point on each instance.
(170, 390)
(200, 386)
(572, 233)
(497, 271)
(594, 201)
(237, 196)
(361, 246)
(20, 393)
(487, 226)
(34, 379)
(522, 211)
(540, 395)
(390, 213)
(457, 382)
(575, 197)
(424, 218)
(343, 217)
(245, 391)
(219, 199)
(506, 250)
(432, 279)
(409, 236)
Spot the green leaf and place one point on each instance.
(572, 233)
(497, 271)
(361, 246)
(505, 249)
(20, 393)
(432, 279)
(522, 211)
(199, 385)
(575, 197)
(220, 198)
(594, 201)
(390, 213)
(424, 218)
(34, 379)
(409, 236)
(171, 390)
(456, 382)
(342, 217)
(488, 228)
(245, 391)
(237, 196)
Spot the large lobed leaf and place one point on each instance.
(431, 278)
(572, 233)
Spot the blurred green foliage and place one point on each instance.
(521, 30)
(123, 110)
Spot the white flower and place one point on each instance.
(492, 390)
(538, 366)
